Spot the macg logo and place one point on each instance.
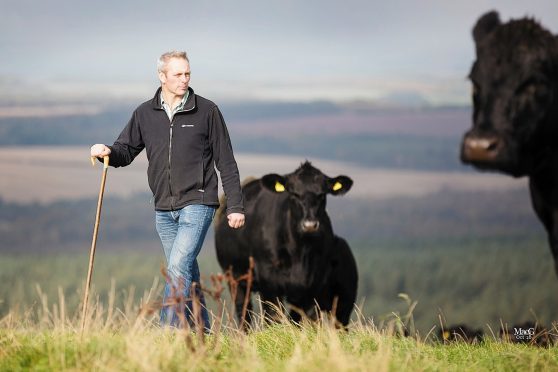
(523, 334)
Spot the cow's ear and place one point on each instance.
(274, 182)
(485, 25)
(339, 185)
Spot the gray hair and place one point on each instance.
(165, 58)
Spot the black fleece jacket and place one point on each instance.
(182, 153)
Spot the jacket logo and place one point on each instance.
(187, 125)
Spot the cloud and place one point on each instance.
(266, 48)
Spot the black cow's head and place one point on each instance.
(515, 96)
(306, 189)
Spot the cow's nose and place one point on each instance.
(310, 225)
(481, 148)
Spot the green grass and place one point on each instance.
(142, 346)
(478, 282)
(43, 332)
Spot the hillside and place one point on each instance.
(426, 139)
(444, 216)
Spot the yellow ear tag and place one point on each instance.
(279, 187)
(446, 335)
(337, 186)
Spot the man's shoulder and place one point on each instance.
(150, 104)
(204, 103)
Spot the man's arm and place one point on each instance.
(226, 164)
(128, 145)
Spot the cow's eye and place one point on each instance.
(540, 91)
(475, 89)
(533, 89)
(532, 95)
(529, 89)
(475, 92)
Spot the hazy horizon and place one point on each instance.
(287, 51)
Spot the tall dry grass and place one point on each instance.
(48, 337)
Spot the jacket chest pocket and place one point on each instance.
(189, 134)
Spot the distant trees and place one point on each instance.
(446, 216)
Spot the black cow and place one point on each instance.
(515, 110)
(528, 333)
(297, 256)
(461, 333)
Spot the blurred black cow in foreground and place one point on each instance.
(528, 333)
(515, 110)
(297, 256)
(525, 333)
(461, 333)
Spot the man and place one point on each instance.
(184, 136)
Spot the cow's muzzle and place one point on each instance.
(310, 226)
(481, 149)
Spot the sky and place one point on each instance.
(62, 50)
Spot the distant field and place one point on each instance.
(431, 123)
(63, 172)
(426, 139)
(480, 283)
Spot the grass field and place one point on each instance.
(115, 340)
(480, 283)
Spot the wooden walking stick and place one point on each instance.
(94, 241)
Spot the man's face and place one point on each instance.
(175, 78)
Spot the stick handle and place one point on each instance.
(105, 161)
(94, 241)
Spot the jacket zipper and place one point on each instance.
(170, 153)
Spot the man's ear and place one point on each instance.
(485, 25)
(274, 183)
(162, 77)
(339, 185)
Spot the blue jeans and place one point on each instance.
(182, 233)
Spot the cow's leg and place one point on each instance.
(335, 302)
(272, 308)
(300, 309)
(544, 198)
(553, 240)
(340, 295)
(300, 312)
(344, 308)
(295, 315)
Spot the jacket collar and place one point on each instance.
(188, 106)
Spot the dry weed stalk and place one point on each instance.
(233, 288)
(190, 319)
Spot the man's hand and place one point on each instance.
(99, 150)
(236, 220)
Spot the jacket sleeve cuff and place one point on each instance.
(235, 210)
